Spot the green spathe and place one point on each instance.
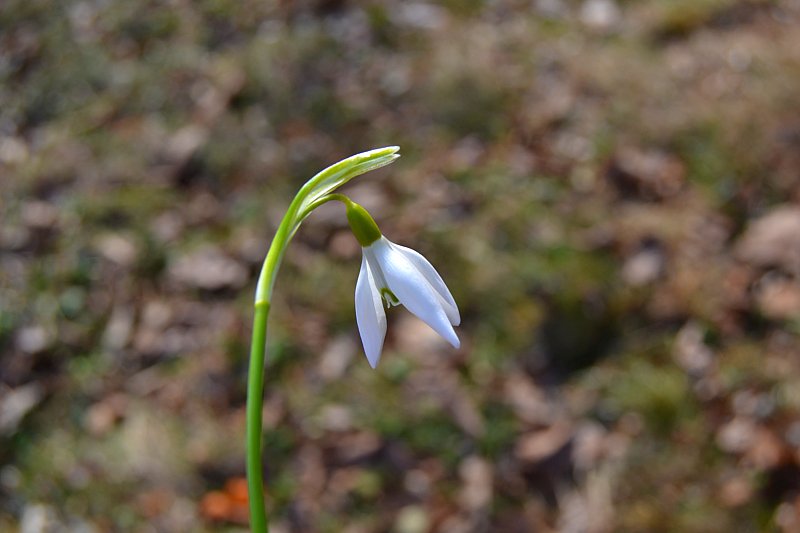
(362, 224)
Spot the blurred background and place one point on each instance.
(611, 189)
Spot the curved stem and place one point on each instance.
(255, 372)
(255, 401)
(324, 200)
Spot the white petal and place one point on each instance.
(374, 267)
(433, 277)
(370, 316)
(413, 290)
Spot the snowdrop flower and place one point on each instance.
(395, 275)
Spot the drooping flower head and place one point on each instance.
(393, 274)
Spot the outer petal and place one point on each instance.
(433, 277)
(413, 290)
(370, 316)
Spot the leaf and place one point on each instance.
(340, 173)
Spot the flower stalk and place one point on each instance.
(390, 274)
(314, 193)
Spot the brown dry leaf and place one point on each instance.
(773, 240)
(102, 416)
(417, 339)
(766, 450)
(736, 492)
(333, 362)
(601, 16)
(590, 445)
(117, 248)
(209, 269)
(310, 476)
(156, 502)
(644, 266)
(477, 477)
(690, 350)
(38, 215)
(787, 516)
(536, 446)
(412, 519)
(647, 173)
(33, 340)
(527, 400)
(119, 328)
(356, 446)
(227, 505)
(443, 386)
(215, 505)
(16, 403)
(737, 435)
(778, 298)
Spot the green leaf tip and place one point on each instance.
(340, 173)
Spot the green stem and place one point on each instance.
(255, 373)
(255, 387)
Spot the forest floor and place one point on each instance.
(611, 190)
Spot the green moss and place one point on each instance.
(502, 429)
(660, 393)
(436, 434)
(679, 18)
(128, 205)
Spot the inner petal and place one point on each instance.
(389, 298)
(374, 266)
